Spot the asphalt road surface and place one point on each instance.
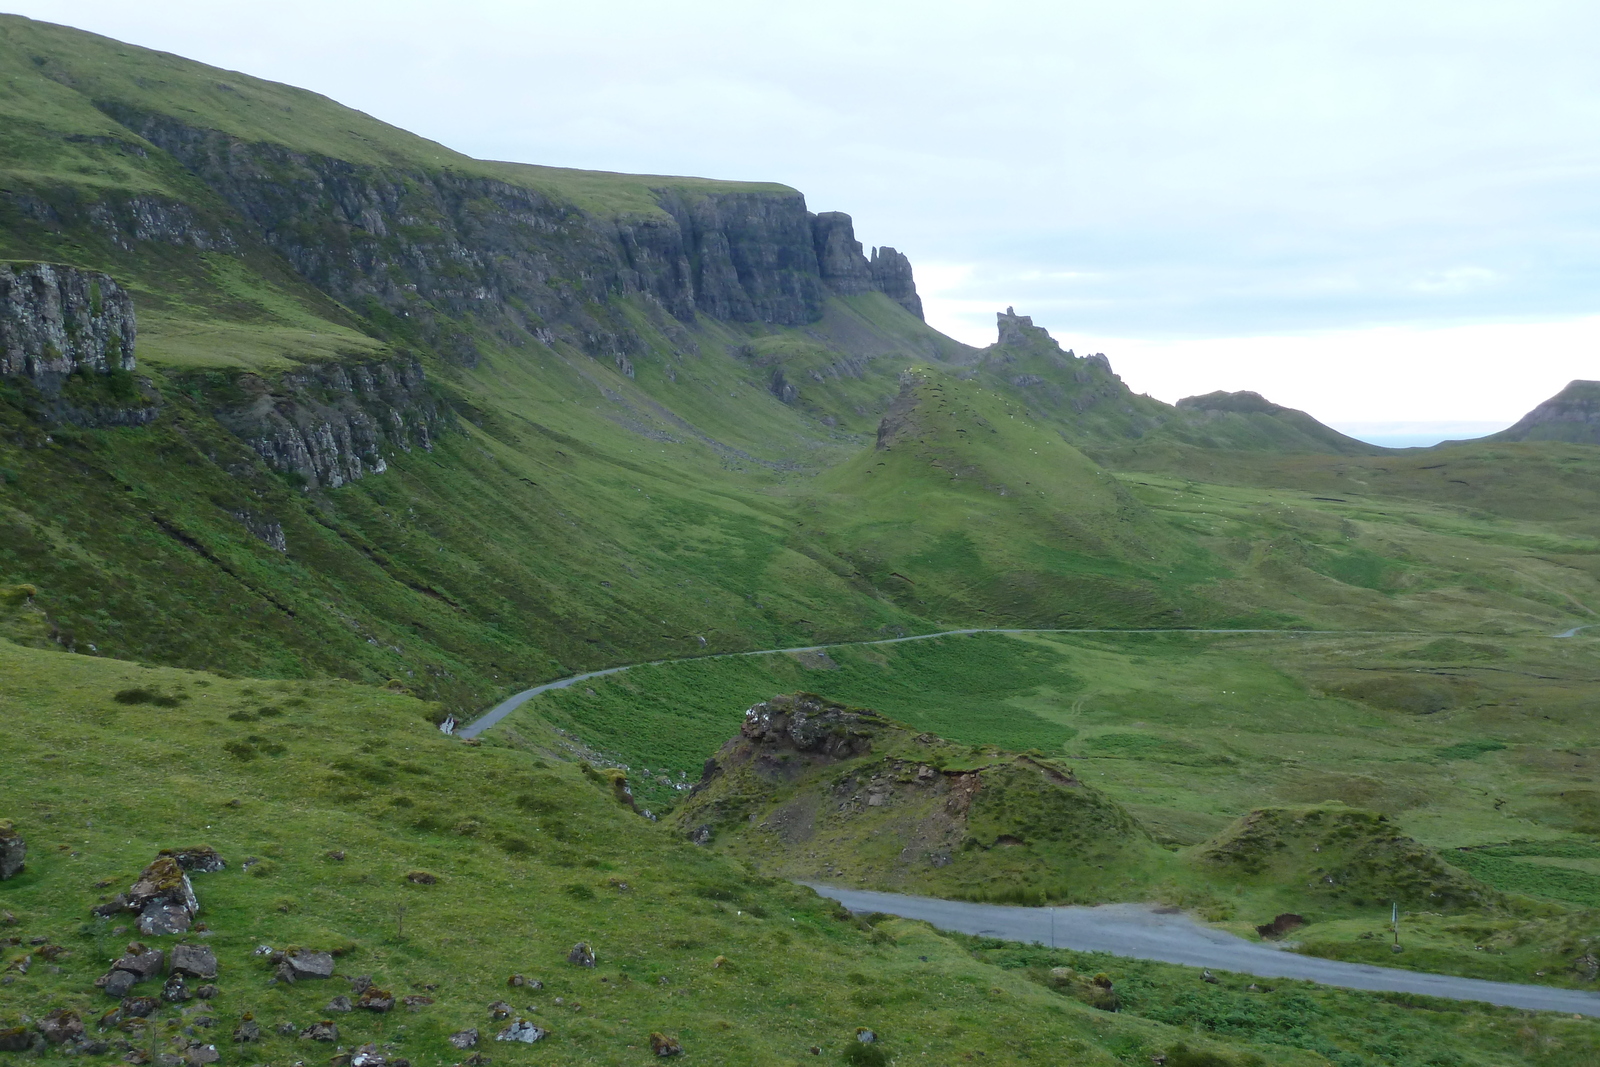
(1140, 932)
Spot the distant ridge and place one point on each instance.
(1571, 415)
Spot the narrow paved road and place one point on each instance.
(1139, 932)
(512, 703)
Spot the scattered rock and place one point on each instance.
(304, 963)
(1207, 976)
(516, 980)
(287, 1029)
(15, 1039)
(465, 1039)
(339, 1003)
(206, 992)
(326, 1030)
(1281, 925)
(719, 962)
(360, 983)
(142, 962)
(865, 1036)
(662, 1045)
(176, 990)
(1587, 966)
(139, 1007)
(421, 877)
(500, 1010)
(202, 860)
(523, 1031)
(416, 1002)
(61, 1025)
(7, 919)
(581, 955)
(200, 1055)
(701, 835)
(163, 897)
(375, 999)
(196, 961)
(247, 1031)
(13, 851)
(368, 1056)
(118, 984)
(337, 855)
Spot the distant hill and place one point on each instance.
(1572, 415)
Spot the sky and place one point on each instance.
(1385, 214)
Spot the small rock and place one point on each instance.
(720, 961)
(61, 1025)
(326, 1030)
(368, 1056)
(375, 999)
(139, 1007)
(308, 964)
(465, 1039)
(202, 860)
(163, 920)
(167, 1059)
(865, 1036)
(7, 919)
(13, 851)
(417, 1002)
(337, 855)
(516, 980)
(118, 983)
(287, 1029)
(176, 990)
(206, 992)
(360, 983)
(339, 1003)
(195, 961)
(140, 961)
(248, 1030)
(662, 1045)
(581, 955)
(1207, 976)
(522, 1031)
(15, 1039)
(200, 1055)
(500, 1010)
(701, 835)
(421, 878)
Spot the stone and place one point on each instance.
(13, 851)
(206, 992)
(465, 1039)
(196, 961)
(163, 882)
(137, 1056)
(139, 1007)
(287, 1029)
(119, 983)
(1587, 966)
(200, 1055)
(368, 1056)
(500, 1010)
(581, 955)
(417, 1002)
(522, 1030)
(662, 1045)
(307, 964)
(865, 1036)
(202, 860)
(61, 1025)
(701, 835)
(15, 1039)
(375, 999)
(326, 1030)
(247, 1031)
(360, 983)
(142, 962)
(55, 320)
(7, 919)
(339, 1003)
(422, 878)
(176, 990)
(163, 920)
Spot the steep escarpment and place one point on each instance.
(814, 789)
(1571, 415)
(57, 320)
(331, 424)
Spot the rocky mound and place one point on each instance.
(1345, 854)
(1571, 415)
(1249, 420)
(811, 789)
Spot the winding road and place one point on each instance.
(515, 701)
(1137, 931)
(1140, 932)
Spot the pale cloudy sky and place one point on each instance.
(1381, 212)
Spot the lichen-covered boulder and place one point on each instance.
(13, 851)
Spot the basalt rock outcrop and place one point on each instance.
(55, 320)
(1571, 415)
(435, 255)
(332, 424)
(814, 789)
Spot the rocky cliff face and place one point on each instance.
(436, 254)
(55, 320)
(333, 424)
(1571, 415)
